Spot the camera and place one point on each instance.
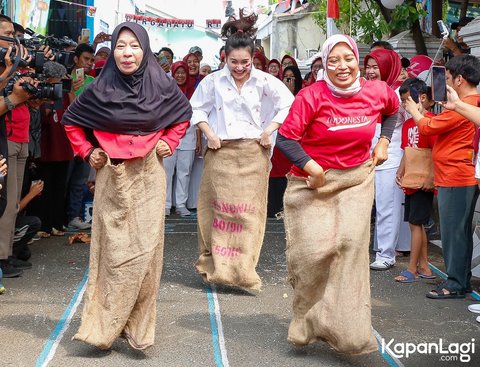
(50, 91)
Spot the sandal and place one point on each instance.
(408, 276)
(441, 293)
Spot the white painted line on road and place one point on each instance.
(57, 334)
(221, 338)
(218, 339)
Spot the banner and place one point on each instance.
(170, 23)
(32, 14)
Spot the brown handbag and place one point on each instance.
(418, 168)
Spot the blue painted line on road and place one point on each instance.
(215, 341)
(441, 274)
(57, 334)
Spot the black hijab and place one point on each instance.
(138, 104)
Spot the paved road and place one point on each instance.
(207, 326)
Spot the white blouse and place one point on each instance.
(232, 114)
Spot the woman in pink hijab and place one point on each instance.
(327, 136)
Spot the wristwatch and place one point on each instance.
(8, 103)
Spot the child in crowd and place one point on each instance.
(418, 202)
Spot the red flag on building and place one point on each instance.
(332, 10)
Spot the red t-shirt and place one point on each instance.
(411, 137)
(18, 126)
(337, 132)
(55, 146)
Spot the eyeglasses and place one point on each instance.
(317, 67)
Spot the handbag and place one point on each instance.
(418, 168)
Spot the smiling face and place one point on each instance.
(128, 53)
(180, 75)
(273, 69)
(342, 66)
(193, 65)
(372, 71)
(239, 62)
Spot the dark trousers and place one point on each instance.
(276, 189)
(456, 206)
(25, 229)
(50, 205)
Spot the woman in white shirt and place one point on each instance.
(238, 109)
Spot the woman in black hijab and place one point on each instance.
(123, 124)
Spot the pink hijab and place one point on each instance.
(329, 44)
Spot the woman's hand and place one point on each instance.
(380, 153)
(98, 158)
(163, 149)
(266, 139)
(214, 142)
(316, 176)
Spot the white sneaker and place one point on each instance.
(167, 212)
(183, 212)
(79, 224)
(381, 265)
(474, 308)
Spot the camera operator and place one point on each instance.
(17, 124)
(55, 156)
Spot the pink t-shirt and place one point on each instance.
(338, 132)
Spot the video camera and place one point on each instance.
(33, 45)
(44, 90)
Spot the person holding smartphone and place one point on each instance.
(454, 172)
(165, 59)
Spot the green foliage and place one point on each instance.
(367, 23)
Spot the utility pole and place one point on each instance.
(436, 15)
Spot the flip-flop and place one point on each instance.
(474, 308)
(425, 276)
(410, 277)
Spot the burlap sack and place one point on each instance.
(232, 212)
(328, 232)
(418, 168)
(126, 254)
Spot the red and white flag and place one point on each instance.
(333, 13)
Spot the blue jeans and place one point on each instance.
(456, 206)
(78, 172)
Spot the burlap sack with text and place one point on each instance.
(328, 233)
(126, 253)
(232, 212)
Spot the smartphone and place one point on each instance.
(162, 60)
(443, 29)
(414, 94)
(85, 34)
(439, 84)
(80, 73)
